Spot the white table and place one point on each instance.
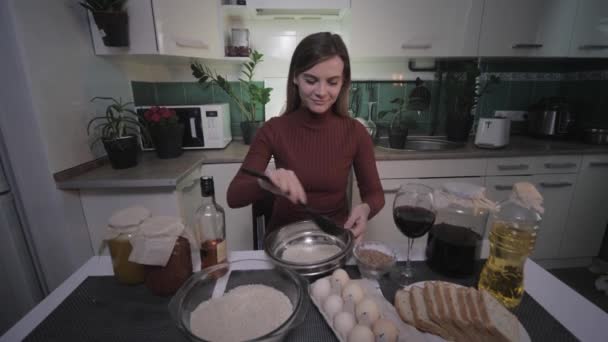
(585, 320)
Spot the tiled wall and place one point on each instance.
(584, 85)
(191, 93)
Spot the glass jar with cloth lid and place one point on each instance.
(454, 242)
(163, 245)
(122, 226)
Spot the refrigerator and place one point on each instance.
(20, 287)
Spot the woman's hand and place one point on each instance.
(284, 183)
(357, 220)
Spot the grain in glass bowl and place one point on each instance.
(374, 258)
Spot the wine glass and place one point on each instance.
(414, 214)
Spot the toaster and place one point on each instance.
(493, 132)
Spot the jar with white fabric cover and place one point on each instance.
(163, 245)
(123, 225)
(454, 241)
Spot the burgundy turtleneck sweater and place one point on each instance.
(320, 149)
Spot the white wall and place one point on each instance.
(64, 75)
(50, 73)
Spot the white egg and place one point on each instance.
(344, 323)
(385, 331)
(321, 289)
(361, 333)
(367, 312)
(352, 293)
(333, 304)
(339, 279)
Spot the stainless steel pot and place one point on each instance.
(550, 118)
(306, 233)
(596, 136)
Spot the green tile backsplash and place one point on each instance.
(584, 85)
(191, 93)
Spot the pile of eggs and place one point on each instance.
(355, 317)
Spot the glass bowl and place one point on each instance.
(371, 264)
(214, 281)
(311, 241)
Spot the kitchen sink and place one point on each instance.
(423, 144)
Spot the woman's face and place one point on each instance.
(320, 85)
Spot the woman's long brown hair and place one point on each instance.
(312, 50)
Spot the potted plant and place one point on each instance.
(111, 19)
(400, 123)
(165, 130)
(119, 130)
(257, 95)
(462, 95)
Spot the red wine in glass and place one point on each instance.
(414, 222)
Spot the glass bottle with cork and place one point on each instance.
(512, 238)
(210, 226)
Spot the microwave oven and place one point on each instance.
(205, 126)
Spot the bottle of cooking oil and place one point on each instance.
(512, 237)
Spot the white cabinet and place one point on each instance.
(414, 28)
(239, 222)
(142, 34)
(524, 28)
(189, 28)
(557, 190)
(588, 215)
(590, 37)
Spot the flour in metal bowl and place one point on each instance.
(244, 313)
(309, 254)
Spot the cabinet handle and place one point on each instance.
(593, 47)
(416, 46)
(526, 46)
(503, 187)
(559, 165)
(512, 167)
(598, 164)
(391, 190)
(555, 185)
(191, 43)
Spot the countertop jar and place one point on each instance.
(166, 280)
(122, 227)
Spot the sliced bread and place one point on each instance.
(404, 307)
(444, 319)
(421, 315)
(503, 324)
(457, 312)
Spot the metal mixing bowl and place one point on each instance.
(216, 280)
(308, 234)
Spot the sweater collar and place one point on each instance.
(314, 120)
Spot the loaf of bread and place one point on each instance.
(456, 313)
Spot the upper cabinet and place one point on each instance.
(416, 28)
(179, 27)
(524, 28)
(188, 28)
(590, 37)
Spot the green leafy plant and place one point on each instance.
(399, 116)
(119, 121)
(104, 5)
(257, 95)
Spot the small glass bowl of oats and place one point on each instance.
(374, 258)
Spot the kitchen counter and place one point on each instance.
(152, 172)
(583, 319)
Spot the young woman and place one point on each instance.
(314, 144)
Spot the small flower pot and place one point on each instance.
(122, 152)
(114, 28)
(168, 140)
(249, 129)
(397, 137)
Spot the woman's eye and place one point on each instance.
(310, 81)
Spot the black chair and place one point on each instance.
(261, 212)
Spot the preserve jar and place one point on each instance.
(123, 225)
(454, 241)
(166, 280)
